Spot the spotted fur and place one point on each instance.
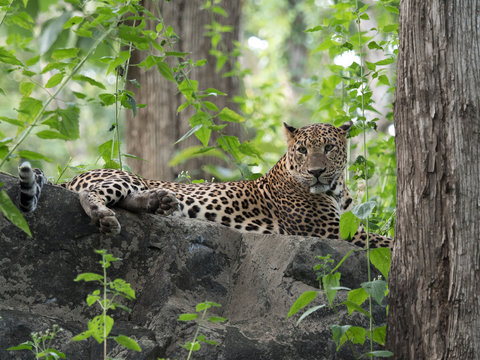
(303, 194)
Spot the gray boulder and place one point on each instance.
(173, 264)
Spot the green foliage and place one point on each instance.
(329, 280)
(101, 325)
(200, 318)
(11, 212)
(41, 345)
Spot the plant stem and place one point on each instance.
(196, 333)
(60, 88)
(117, 132)
(104, 308)
(362, 77)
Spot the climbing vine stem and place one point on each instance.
(362, 77)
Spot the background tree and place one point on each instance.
(152, 132)
(434, 307)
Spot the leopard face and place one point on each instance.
(317, 155)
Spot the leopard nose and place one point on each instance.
(316, 172)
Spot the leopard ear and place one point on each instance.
(345, 127)
(289, 132)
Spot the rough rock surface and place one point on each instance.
(173, 264)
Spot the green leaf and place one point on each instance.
(29, 109)
(189, 133)
(203, 339)
(363, 211)
(354, 307)
(356, 335)
(54, 66)
(214, 92)
(229, 115)
(24, 346)
(376, 289)
(21, 19)
(107, 99)
(379, 335)
(210, 106)
(60, 54)
(383, 79)
(79, 95)
(123, 287)
(67, 123)
(26, 88)
(51, 134)
(316, 28)
(309, 311)
(200, 62)
(82, 336)
(89, 80)
(357, 296)
(338, 334)
(11, 121)
(106, 151)
(89, 277)
(74, 20)
(392, 9)
(387, 61)
(302, 301)
(216, 319)
(349, 224)
(8, 57)
(372, 45)
(32, 155)
(97, 325)
(176, 53)
(51, 354)
(11, 212)
(165, 70)
(92, 299)
(188, 89)
(206, 305)
(193, 346)
(33, 60)
(54, 80)
(187, 317)
(204, 131)
(127, 342)
(230, 144)
(381, 259)
(220, 11)
(330, 284)
(128, 101)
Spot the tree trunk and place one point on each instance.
(152, 133)
(435, 276)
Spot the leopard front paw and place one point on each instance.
(167, 202)
(106, 221)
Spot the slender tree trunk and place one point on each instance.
(151, 135)
(435, 276)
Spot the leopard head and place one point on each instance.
(316, 155)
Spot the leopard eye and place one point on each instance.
(329, 147)
(302, 150)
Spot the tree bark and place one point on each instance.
(435, 276)
(152, 133)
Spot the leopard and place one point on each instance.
(303, 194)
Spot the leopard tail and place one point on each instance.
(31, 183)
